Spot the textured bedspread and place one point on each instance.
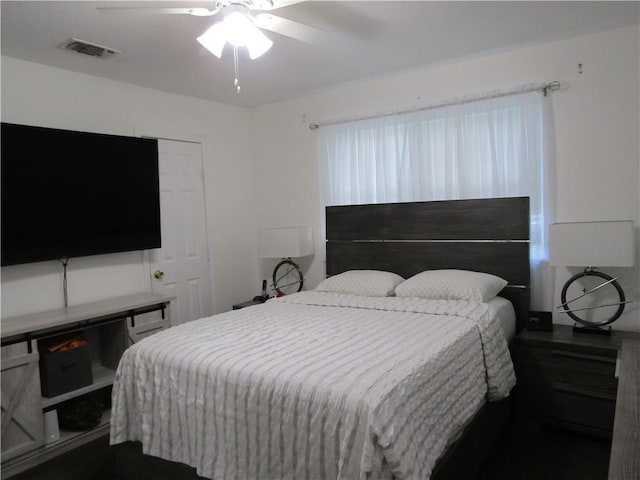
(312, 386)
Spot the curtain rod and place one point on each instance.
(549, 87)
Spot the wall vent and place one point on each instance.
(89, 48)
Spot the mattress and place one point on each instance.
(506, 314)
(313, 385)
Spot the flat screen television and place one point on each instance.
(70, 194)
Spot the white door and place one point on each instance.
(181, 267)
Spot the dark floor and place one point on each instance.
(531, 452)
(93, 461)
(523, 453)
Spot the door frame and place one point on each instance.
(170, 135)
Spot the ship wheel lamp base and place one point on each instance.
(589, 291)
(287, 277)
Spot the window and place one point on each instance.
(493, 147)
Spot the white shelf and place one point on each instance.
(98, 431)
(81, 314)
(109, 328)
(68, 441)
(102, 377)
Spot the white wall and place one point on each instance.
(39, 95)
(597, 119)
(273, 180)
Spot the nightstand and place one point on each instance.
(248, 303)
(568, 379)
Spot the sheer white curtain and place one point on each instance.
(496, 147)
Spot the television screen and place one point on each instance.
(69, 194)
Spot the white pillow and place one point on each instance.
(368, 283)
(452, 285)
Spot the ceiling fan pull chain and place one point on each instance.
(235, 65)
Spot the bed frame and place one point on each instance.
(488, 235)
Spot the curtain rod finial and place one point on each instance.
(551, 87)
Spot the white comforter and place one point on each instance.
(312, 386)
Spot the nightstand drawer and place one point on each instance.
(584, 373)
(572, 409)
(568, 406)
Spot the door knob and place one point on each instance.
(158, 274)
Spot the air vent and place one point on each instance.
(91, 49)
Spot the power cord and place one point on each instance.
(64, 261)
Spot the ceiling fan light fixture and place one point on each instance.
(214, 39)
(241, 32)
(258, 44)
(238, 29)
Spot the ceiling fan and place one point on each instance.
(239, 25)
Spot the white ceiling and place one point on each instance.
(362, 39)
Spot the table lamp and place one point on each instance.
(591, 244)
(286, 243)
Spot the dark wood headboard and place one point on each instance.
(484, 235)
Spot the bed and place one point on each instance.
(327, 384)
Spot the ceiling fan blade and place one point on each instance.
(267, 5)
(198, 12)
(289, 28)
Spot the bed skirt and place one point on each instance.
(463, 460)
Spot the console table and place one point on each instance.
(110, 326)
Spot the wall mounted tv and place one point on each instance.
(70, 194)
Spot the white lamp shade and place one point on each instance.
(592, 244)
(214, 39)
(286, 242)
(258, 44)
